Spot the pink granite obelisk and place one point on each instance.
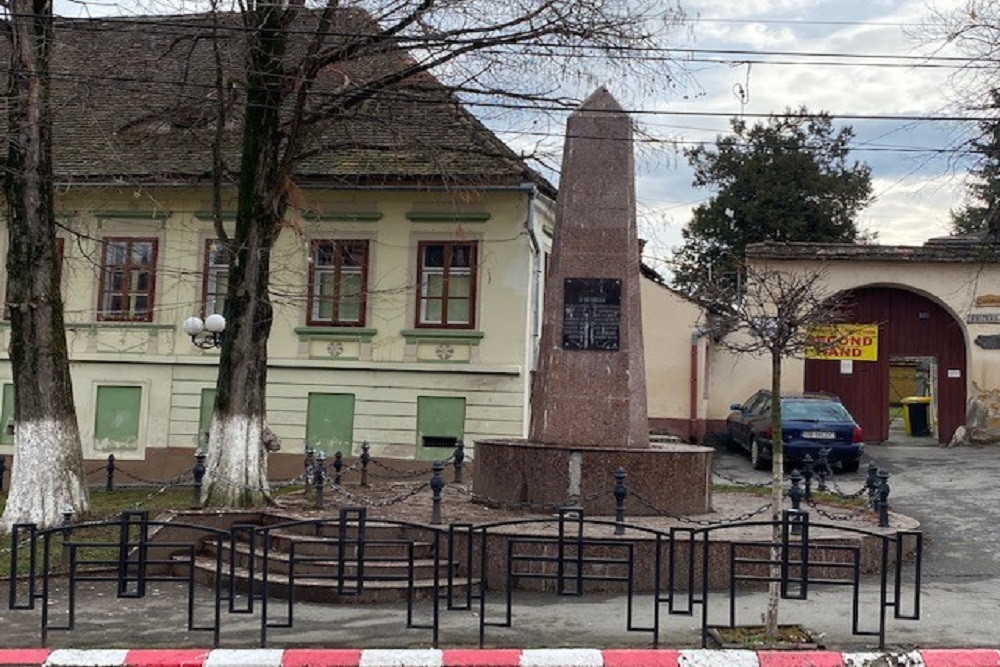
(590, 385)
(588, 395)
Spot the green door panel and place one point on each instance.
(440, 423)
(116, 423)
(330, 423)
(205, 415)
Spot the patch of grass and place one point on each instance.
(755, 636)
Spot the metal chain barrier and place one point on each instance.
(835, 517)
(384, 502)
(699, 522)
(493, 503)
(398, 474)
(740, 482)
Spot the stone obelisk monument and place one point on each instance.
(588, 398)
(590, 384)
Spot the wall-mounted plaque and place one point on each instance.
(988, 342)
(983, 318)
(592, 309)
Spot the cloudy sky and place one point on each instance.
(851, 58)
(914, 182)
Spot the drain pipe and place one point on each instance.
(535, 301)
(696, 335)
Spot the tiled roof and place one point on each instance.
(134, 102)
(932, 252)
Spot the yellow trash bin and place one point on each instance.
(917, 415)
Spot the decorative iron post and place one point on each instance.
(338, 466)
(307, 466)
(823, 468)
(796, 494)
(459, 459)
(437, 483)
(807, 475)
(871, 483)
(620, 493)
(883, 499)
(199, 477)
(366, 457)
(109, 485)
(319, 477)
(67, 522)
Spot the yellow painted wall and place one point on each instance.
(386, 373)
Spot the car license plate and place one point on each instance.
(819, 435)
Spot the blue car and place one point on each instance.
(809, 422)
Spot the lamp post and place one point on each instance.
(205, 334)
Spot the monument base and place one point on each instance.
(670, 478)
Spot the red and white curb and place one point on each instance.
(569, 657)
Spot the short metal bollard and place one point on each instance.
(871, 484)
(199, 477)
(459, 460)
(822, 468)
(319, 478)
(67, 522)
(796, 493)
(883, 499)
(620, 493)
(807, 475)
(307, 467)
(109, 484)
(366, 458)
(437, 484)
(338, 466)
(3, 469)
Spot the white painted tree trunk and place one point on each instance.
(44, 476)
(236, 474)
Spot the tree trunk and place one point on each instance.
(47, 474)
(236, 470)
(777, 495)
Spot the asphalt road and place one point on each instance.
(953, 492)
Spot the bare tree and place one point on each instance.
(306, 69)
(47, 475)
(773, 317)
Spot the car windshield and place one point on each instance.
(815, 411)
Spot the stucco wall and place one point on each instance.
(386, 369)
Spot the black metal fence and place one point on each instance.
(268, 569)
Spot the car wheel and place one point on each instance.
(850, 466)
(757, 460)
(731, 444)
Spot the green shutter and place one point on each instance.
(205, 415)
(330, 423)
(116, 424)
(7, 416)
(440, 422)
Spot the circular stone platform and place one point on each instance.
(663, 479)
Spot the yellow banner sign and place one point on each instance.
(858, 342)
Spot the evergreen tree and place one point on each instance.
(980, 212)
(788, 179)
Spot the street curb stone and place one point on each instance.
(580, 657)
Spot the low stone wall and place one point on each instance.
(664, 479)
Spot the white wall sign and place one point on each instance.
(954, 372)
(846, 366)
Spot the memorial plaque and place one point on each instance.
(592, 310)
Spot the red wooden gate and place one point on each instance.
(909, 325)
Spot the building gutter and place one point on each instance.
(534, 300)
(693, 431)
